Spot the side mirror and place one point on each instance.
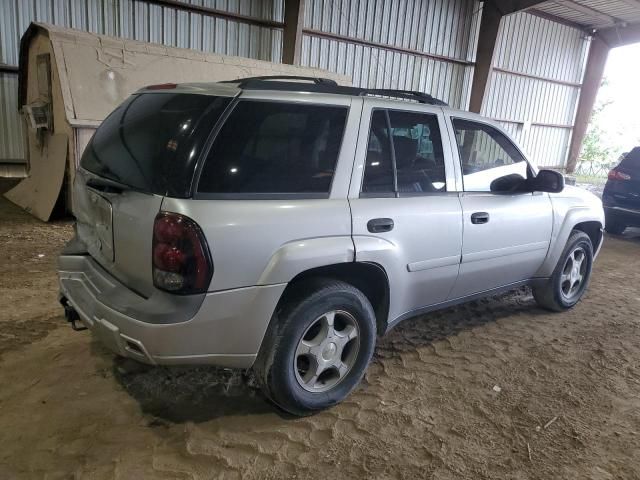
(547, 181)
(512, 183)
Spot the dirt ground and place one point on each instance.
(494, 389)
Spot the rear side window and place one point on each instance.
(418, 150)
(379, 171)
(404, 154)
(152, 140)
(275, 148)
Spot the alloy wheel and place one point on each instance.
(327, 351)
(574, 274)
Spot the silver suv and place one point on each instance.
(283, 223)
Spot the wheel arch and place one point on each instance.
(593, 229)
(370, 278)
(566, 220)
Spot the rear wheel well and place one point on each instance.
(369, 278)
(593, 229)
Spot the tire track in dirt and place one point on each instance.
(426, 407)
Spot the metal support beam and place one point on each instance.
(598, 53)
(487, 37)
(292, 35)
(537, 77)
(213, 12)
(4, 68)
(492, 13)
(384, 46)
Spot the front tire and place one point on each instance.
(571, 276)
(318, 347)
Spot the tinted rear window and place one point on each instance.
(152, 141)
(632, 160)
(412, 139)
(274, 148)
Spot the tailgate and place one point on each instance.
(144, 150)
(117, 228)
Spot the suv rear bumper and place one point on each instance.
(627, 216)
(227, 329)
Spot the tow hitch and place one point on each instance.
(72, 316)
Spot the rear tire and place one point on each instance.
(318, 347)
(614, 227)
(571, 276)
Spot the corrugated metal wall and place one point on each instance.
(11, 131)
(431, 30)
(134, 19)
(139, 20)
(426, 45)
(534, 89)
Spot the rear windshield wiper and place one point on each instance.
(105, 185)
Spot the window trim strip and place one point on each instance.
(392, 150)
(260, 196)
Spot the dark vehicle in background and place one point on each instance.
(621, 196)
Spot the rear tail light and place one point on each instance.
(618, 175)
(181, 259)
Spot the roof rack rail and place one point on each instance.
(242, 82)
(324, 85)
(404, 94)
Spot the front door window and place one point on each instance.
(486, 155)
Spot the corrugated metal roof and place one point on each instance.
(594, 13)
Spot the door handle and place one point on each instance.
(379, 225)
(479, 218)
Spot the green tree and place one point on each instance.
(594, 148)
